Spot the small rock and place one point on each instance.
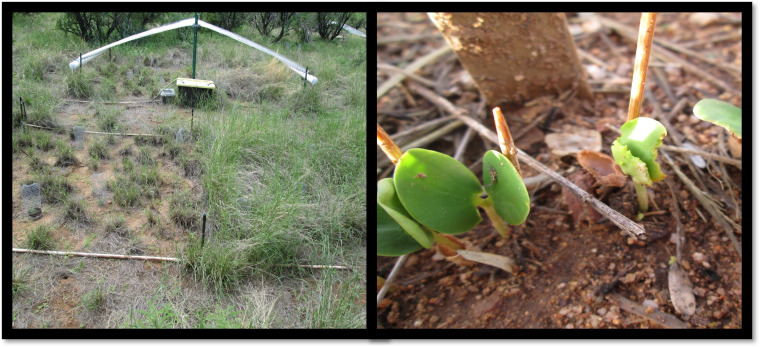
(596, 72)
(570, 326)
(706, 264)
(564, 311)
(434, 319)
(385, 303)
(698, 257)
(711, 299)
(704, 19)
(630, 277)
(591, 26)
(562, 285)
(698, 291)
(685, 265)
(418, 323)
(595, 321)
(631, 241)
(649, 303)
(721, 291)
(611, 267)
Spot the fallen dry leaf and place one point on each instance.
(602, 167)
(681, 292)
(505, 263)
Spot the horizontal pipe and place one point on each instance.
(96, 255)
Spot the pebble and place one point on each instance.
(630, 241)
(570, 326)
(711, 299)
(418, 323)
(601, 311)
(698, 291)
(721, 291)
(611, 267)
(384, 303)
(706, 264)
(434, 319)
(698, 257)
(561, 285)
(630, 277)
(685, 265)
(595, 321)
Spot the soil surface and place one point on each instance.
(577, 272)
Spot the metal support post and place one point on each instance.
(195, 41)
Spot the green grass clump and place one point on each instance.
(74, 211)
(39, 101)
(40, 238)
(107, 120)
(96, 298)
(36, 165)
(20, 280)
(55, 188)
(98, 150)
(127, 165)
(126, 192)
(65, 155)
(43, 141)
(116, 225)
(25, 139)
(143, 157)
(79, 84)
(219, 266)
(183, 211)
(306, 102)
(152, 217)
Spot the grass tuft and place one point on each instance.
(183, 211)
(116, 225)
(98, 150)
(65, 155)
(74, 211)
(40, 238)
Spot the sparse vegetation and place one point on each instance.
(55, 188)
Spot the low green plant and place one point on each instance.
(94, 163)
(218, 265)
(107, 121)
(183, 212)
(154, 318)
(79, 84)
(43, 141)
(98, 150)
(127, 165)
(65, 155)
(20, 280)
(116, 224)
(88, 240)
(720, 113)
(96, 298)
(635, 152)
(40, 238)
(152, 217)
(126, 192)
(75, 211)
(433, 193)
(55, 188)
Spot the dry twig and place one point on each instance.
(422, 61)
(664, 319)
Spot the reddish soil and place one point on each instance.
(576, 274)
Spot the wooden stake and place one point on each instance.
(643, 47)
(506, 143)
(388, 145)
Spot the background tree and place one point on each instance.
(325, 28)
(284, 20)
(306, 23)
(91, 26)
(227, 20)
(264, 22)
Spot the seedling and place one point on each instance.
(635, 152)
(433, 193)
(720, 113)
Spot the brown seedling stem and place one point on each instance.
(643, 47)
(388, 145)
(506, 143)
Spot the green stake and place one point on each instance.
(195, 41)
